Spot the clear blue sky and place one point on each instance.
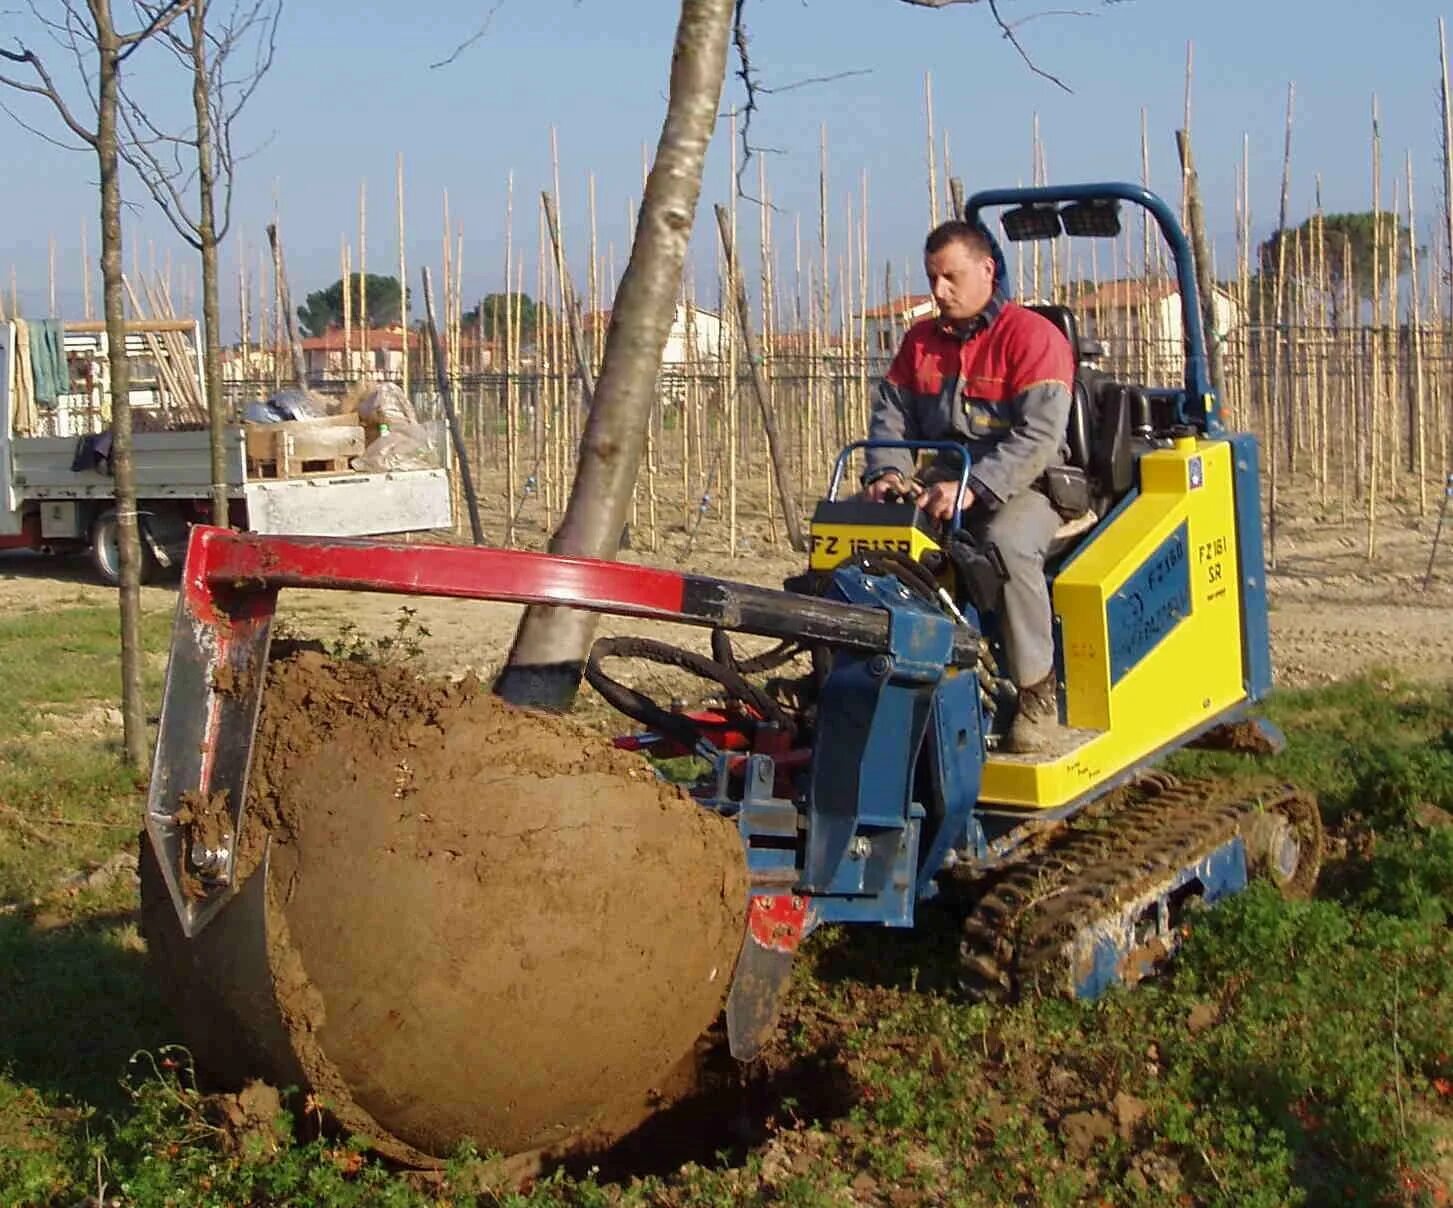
(352, 87)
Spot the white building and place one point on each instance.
(1139, 322)
(692, 328)
(886, 324)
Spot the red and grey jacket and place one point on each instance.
(1000, 384)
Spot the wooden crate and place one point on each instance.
(304, 447)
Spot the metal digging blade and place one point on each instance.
(204, 746)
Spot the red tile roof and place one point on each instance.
(1126, 294)
(389, 339)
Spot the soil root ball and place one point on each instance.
(482, 923)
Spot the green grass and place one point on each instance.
(65, 799)
(1301, 1053)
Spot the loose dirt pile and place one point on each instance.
(482, 923)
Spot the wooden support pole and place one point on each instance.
(288, 319)
(791, 515)
(446, 394)
(572, 305)
(1205, 274)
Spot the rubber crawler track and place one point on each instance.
(1015, 938)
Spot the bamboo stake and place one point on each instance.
(1275, 401)
(1419, 449)
(1246, 420)
(1296, 377)
(1034, 151)
(729, 246)
(762, 359)
(1439, 415)
(824, 314)
(597, 332)
(688, 397)
(1205, 272)
(776, 451)
(404, 273)
(1322, 439)
(242, 316)
(864, 405)
(570, 305)
(85, 274)
(1391, 341)
(1376, 417)
(545, 470)
(1355, 358)
(932, 169)
(345, 256)
(276, 315)
(363, 326)
(1447, 220)
(1186, 126)
(288, 319)
(446, 394)
(511, 369)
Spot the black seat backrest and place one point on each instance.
(1112, 456)
(1081, 422)
(1064, 319)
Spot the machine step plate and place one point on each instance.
(1067, 742)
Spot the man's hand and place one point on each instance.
(938, 501)
(891, 483)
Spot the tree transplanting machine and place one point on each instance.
(875, 781)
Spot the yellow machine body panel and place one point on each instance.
(1149, 616)
(843, 528)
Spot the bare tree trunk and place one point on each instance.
(207, 237)
(133, 715)
(550, 646)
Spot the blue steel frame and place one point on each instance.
(1198, 376)
(1251, 561)
(1120, 949)
(860, 845)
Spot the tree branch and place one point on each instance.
(1007, 30)
(168, 178)
(1019, 46)
(158, 23)
(472, 39)
(35, 130)
(45, 88)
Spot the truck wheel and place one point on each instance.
(106, 551)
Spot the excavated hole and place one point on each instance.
(731, 1110)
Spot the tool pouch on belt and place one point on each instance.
(1068, 489)
(980, 571)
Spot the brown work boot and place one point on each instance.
(1036, 726)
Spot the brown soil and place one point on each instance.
(483, 923)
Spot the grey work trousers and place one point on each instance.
(1022, 530)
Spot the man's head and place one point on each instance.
(960, 267)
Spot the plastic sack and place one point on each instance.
(285, 405)
(407, 446)
(386, 404)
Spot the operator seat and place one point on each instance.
(1079, 430)
(1081, 422)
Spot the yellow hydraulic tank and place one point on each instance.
(1150, 629)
